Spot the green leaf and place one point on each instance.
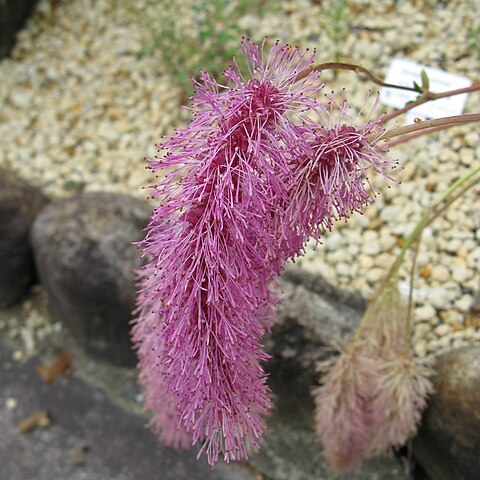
(425, 80)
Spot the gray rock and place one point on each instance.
(313, 318)
(448, 443)
(19, 204)
(86, 262)
(13, 14)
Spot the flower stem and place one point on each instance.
(429, 124)
(419, 133)
(435, 215)
(429, 215)
(357, 69)
(408, 321)
(427, 97)
(454, 192)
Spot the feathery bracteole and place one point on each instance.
(398, 399)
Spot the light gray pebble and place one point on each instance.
(374, 275)
(387, 242)
(467, 156)
(371, 247)
(460, 273)
(425, 313)
(440, 273)
(464, 302)
(343, 269)
(390, 213)
(421, 329)
(453, 317)
(459, 343)
(442, 330)
(472, 139)
(334, 241)
(420, 348)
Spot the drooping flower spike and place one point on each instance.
(373, 397)
(330, 178)
(343, 416)
(206, 299)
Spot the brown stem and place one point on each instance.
(411, 136)
(427, 95)
(429, 124)
(427, 98)
(357, 69)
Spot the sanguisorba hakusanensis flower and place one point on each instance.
(330, 178)
(373, 397)
(205, 300)
(402, 382)
(343, 413)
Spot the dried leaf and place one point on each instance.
(39, 419)
(61, 365)
(78, 455)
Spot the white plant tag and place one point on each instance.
(404, 72)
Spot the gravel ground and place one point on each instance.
(80, 110)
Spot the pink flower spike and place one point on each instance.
(331, 176)
(205, 301)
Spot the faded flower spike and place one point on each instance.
(205, 300)
(373, 397)
(344, 416)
